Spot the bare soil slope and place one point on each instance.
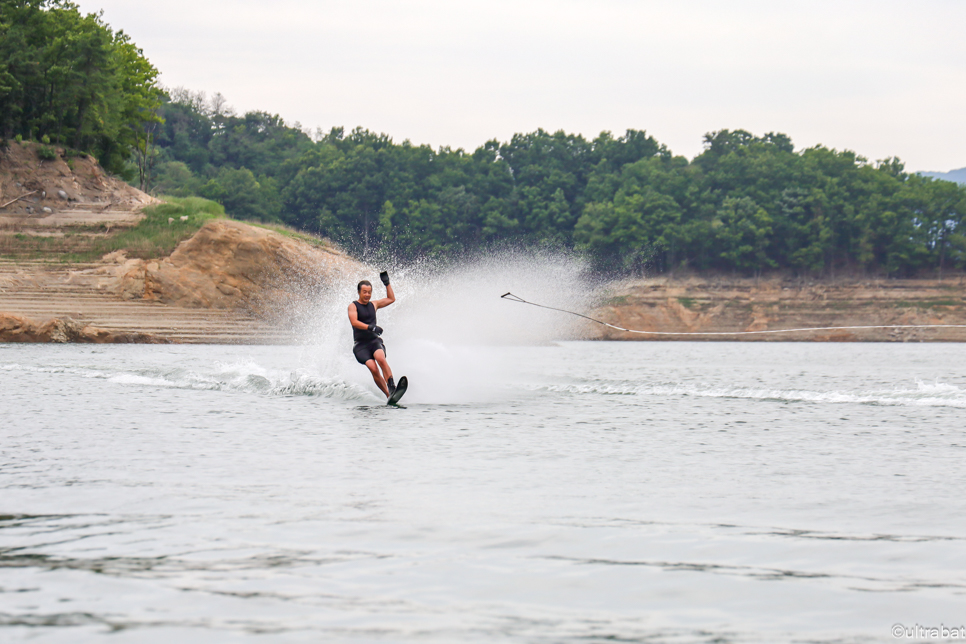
(232, 265)
(702, 305)
(84, 296)
(37, 193)
(230, 282)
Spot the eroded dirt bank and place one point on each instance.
(60, 195)
(232, 265)
(705, 305)
(229, 283)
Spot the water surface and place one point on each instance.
(575, 492)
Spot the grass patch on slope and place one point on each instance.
(164, 227)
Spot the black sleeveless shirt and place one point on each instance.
(367, 315)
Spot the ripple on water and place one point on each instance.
(641, 492)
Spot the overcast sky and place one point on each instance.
(882, 78)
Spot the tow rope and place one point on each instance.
(515, 298)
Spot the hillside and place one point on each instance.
(52, 198)
(88, 258)
(185, 278)
(956, 176)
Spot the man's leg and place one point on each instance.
(380, 357)
(380, 381)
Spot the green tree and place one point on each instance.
(743, 228)
(69, 77)
(243, 195)
(175, 179)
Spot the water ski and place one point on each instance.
(401, 387)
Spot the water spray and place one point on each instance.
(515, 298)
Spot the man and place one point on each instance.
(368, 348)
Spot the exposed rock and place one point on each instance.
(716, 305)
(231, 282)
(14, 328)
(231, 265)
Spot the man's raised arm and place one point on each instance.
(390, 296)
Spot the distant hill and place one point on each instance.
(958, 176)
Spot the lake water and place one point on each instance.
(570, 492)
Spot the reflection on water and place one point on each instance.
(581, 492)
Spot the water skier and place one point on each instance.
(369, 349)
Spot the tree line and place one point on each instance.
(746, 204)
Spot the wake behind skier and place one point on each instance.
(369, 349)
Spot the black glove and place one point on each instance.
(384, 276)
(375, 329)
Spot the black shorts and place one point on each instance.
(364, 351)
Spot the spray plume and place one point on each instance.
(445, 329)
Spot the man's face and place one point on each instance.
(365, 294)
